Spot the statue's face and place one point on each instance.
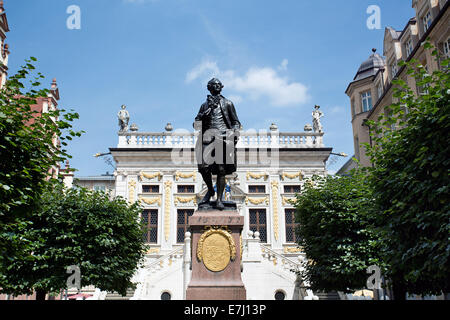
(215, 87)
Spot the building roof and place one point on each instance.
(370, 67)
(96, 178)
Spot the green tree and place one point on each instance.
(410, 175)
(335, 228)
(28, 154)
(102, 236)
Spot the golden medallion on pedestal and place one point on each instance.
(216, 248)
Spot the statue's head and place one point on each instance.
(317, 107)
(123, 107)
(215, 86)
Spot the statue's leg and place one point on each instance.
(220, 189)
(207, 177)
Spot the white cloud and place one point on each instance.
(283, 65)
(255, 83)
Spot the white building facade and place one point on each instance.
(159, 170)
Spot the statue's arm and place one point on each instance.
(235, 123)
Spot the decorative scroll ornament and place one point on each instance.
(131, 190)
(152, 251)
(257, 201)
(287, 200)
(150, 176)
(167, 203)
(257, 176)
(292, 250)
(216, 248)
(291, 176)
(275, 208)
(151, 200)
(179, 175)
(185, 200)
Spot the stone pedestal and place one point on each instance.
(216, 255)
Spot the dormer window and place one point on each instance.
(447, 48)
(427, 20)
(409, 47)
(394, 69)
(366, 100)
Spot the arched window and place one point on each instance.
(280, 295)
(166, 296)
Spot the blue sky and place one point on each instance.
(277, 59)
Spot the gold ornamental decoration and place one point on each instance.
(257, 176)
(152, 251)
(275, 208)
(179, 175)
(216, 248)
(185, 200)
(257, 201)
(151, 200)
(167, 203)
(150, 176)
(131, 189)
(291, 176)
(292, 249)
(287, 200)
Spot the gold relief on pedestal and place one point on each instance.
(216, 248)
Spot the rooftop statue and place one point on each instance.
(219, 128)
(124, 117)
(317, 114)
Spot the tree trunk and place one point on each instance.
(399, 290)
(40, 295)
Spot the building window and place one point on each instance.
(394, 69)
(409, 47)
(292, 189)
(150, 221)
(427, 20)
(182, 223)
(100, 188)
(380, 90)
(366, 98)
(258, 223)
(150, 189)
(256, 189)
(290, 225)
(447, 48)
(186, 189)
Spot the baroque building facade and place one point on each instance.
(159, 171)
(371, 90)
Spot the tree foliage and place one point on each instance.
(335, 217)
(27, 152)
(102, 236)
(411, 179)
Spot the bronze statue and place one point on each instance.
(215, 150)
